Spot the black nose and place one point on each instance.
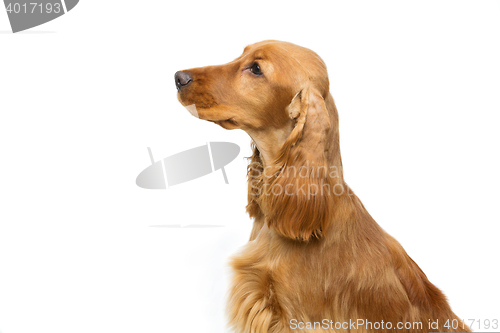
(182, 79)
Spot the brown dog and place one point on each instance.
(316, 260)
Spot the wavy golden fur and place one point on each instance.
(315, 253)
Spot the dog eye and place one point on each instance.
(256, 69)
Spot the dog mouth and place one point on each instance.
(205, 114)
(207, 109)
(230, 123)
(202, 100)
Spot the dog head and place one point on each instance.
(279, 94)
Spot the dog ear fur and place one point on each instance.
(296, 190)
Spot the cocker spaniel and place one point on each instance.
(316, 260)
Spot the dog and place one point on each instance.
(316, 260)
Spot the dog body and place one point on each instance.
(316, 260)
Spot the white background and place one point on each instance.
(417, 87)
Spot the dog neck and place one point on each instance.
(269, 142)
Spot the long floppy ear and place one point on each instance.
(297, 188)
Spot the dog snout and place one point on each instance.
(182, 79)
